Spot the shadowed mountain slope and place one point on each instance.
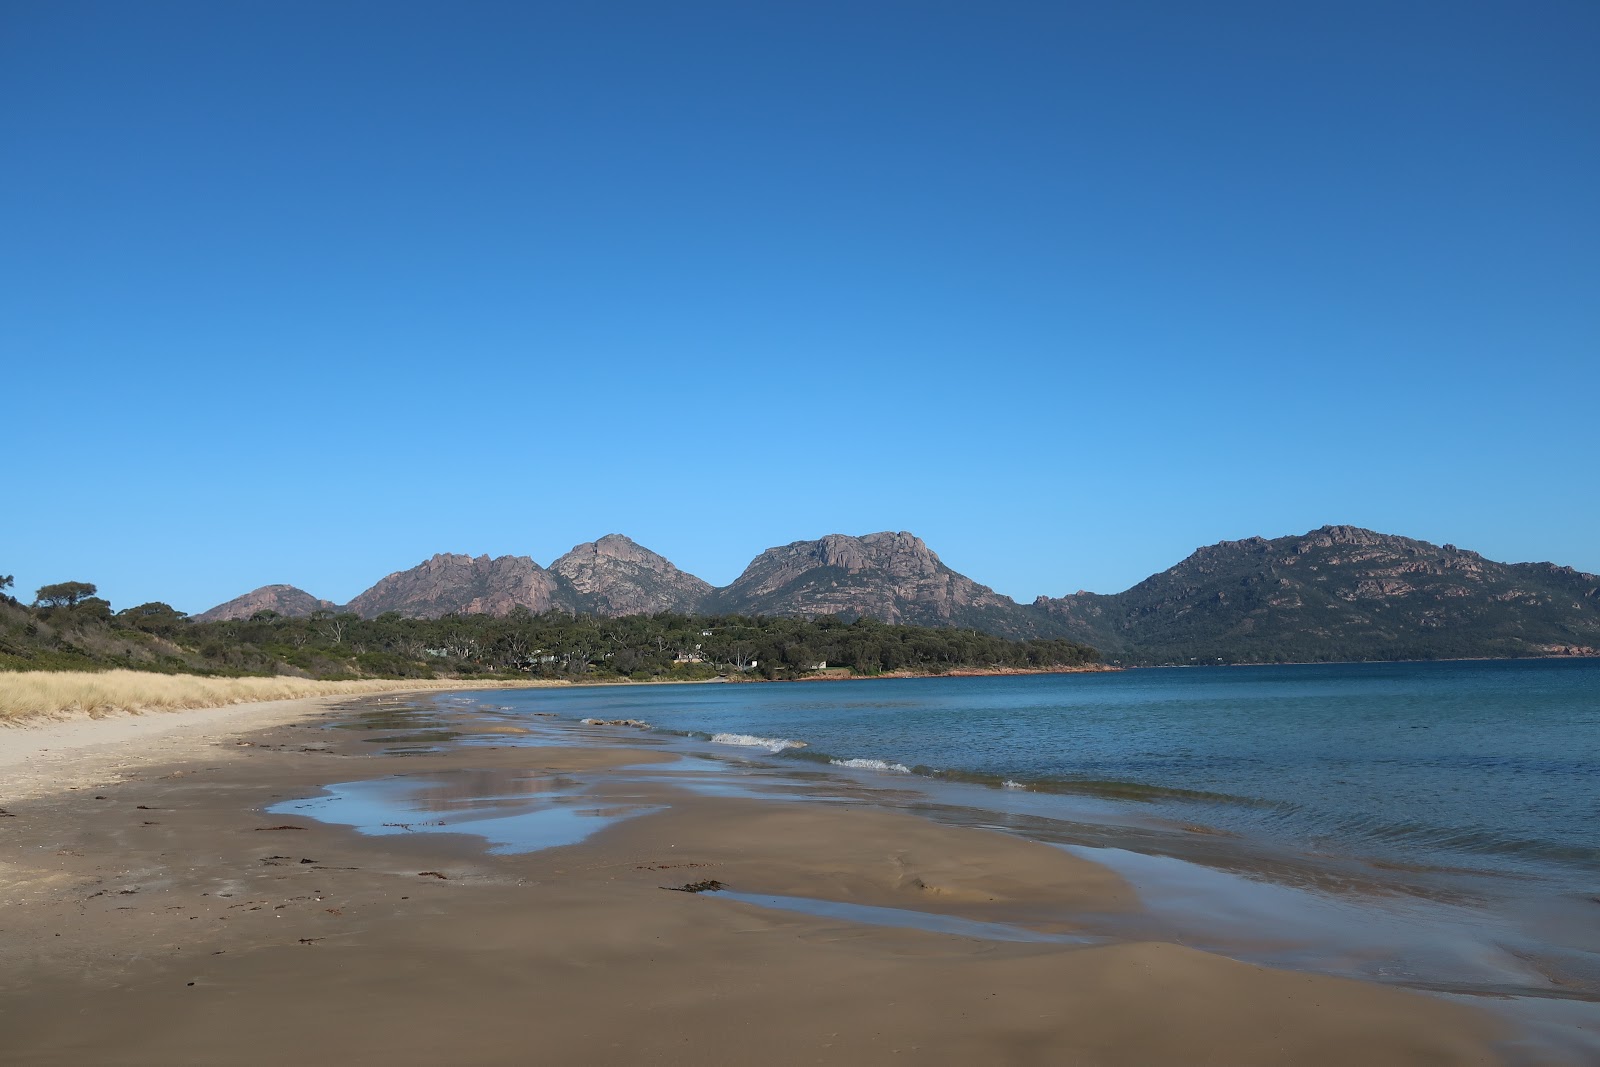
(1338, 592)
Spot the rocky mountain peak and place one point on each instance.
(1346, 535)
(902, 553)
(450, 583)
(889, 576)
(283, 599)
(617, 576)
(617, 546)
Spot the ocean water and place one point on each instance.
(1432, 826)
(1491, 766)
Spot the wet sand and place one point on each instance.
(198, 911)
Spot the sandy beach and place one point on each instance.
(157, 912)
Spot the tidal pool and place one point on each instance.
(512, 811)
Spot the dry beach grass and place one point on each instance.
(28, 695)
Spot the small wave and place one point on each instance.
(871, 765)
(1112, 790)
(771, 744)
(1472, 840)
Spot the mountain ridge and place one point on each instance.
(451, 583)
(1373, 595)
(1336, 592)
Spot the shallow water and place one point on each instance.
(1484, 765)
(511, 811)
(1521, 941)
(902, 918)
(1406, 940)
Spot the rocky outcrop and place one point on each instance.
(617, 576)
(892, 577)
(450, 584)
(1338, 592)
(281, 599)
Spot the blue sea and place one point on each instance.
(1491, 766)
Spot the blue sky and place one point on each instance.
(306, 292)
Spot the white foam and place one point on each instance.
(771, 744)
(1009, 784)
(871, 765)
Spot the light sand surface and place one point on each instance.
(48, 751)
(164, 917)
(29, 695)
(73, 752)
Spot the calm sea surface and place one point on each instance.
(1491, 765)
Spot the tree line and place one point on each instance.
(68, 626)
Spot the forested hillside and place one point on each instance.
(1338, 593)
(69, 628)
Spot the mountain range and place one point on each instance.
(1338, 592)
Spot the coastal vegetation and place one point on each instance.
(68, 627)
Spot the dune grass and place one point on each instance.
(29, 694)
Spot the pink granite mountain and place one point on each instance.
(449, 584)
(282, 599)
(617, 576)
(892, 577)
(1338, 592)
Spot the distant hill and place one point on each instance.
(892, 577)
(448, 584)
(285, 600)
(1338, 592)
(617, 576)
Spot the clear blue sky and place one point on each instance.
(305, 292)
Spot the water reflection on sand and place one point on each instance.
(1447, 931)
(513, 811)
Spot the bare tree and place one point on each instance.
(333, 628)
(517, 648)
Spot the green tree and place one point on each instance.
(64, 594)
(91, 608)
(153, 618)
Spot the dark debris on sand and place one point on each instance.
(710, 885)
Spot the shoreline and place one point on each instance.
(846, 675)
(227, 926)
(43, 696)
(103, 706)
(93, 741)
(1557, 657)
(34, 720)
